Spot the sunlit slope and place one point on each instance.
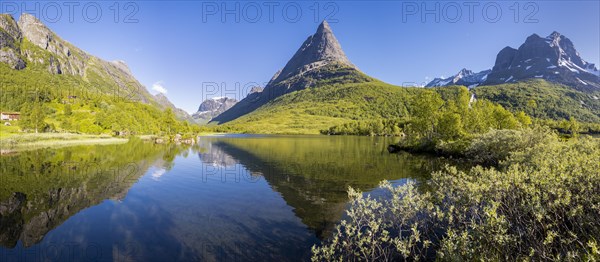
(310, 110)
(543, 99)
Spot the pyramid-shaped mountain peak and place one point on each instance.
(324, 26)
(320, 59)
(319, 49)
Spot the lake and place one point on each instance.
(229, 198)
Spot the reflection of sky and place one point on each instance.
(216, 213)
(201, 211)
(156, 174)
(192, 214)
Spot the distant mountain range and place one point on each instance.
(552, 58)
(464, 77)
(319, 87)
(213, 107)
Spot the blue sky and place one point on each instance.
(186, 47)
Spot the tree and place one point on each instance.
(38, 115)
(396, 131)
(169, 122)
(378, 127)
(523, 118)
(503, 119)
(450, 126)
(32, 116)
(25, 121)
(574, 127)
(68, 110)
(532, 104)
(425, 109)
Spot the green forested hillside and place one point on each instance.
(91, 105)
(361, 108)
(542, 99)
(313, 109)
(59, 87)
(375, 105)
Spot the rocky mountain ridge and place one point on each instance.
(28, 43)
(164, 102)
(212, 107)
(552, 58)
(464, 77)
(320, 59)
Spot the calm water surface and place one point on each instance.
(232, 198)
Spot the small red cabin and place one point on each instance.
(9, 116)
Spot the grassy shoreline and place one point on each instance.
(27, 141)
(12, 142)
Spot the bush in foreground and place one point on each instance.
(541, 203)
(497, 145)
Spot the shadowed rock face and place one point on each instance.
(30, 43)
(10, 37)
(553, 58)
(9, 25)
(66, 58)
(505, 58)
(10, 58)
(9, 32)
(319, 59)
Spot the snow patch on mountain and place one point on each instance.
(464, 77)
(213, 107)
(553, 58)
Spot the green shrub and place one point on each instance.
(453, 148)
(541, 204)
(497, 145)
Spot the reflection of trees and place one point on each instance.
(313, 174)
(41, 189)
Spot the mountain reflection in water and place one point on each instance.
(225, 198)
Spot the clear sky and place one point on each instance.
(184, 47)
